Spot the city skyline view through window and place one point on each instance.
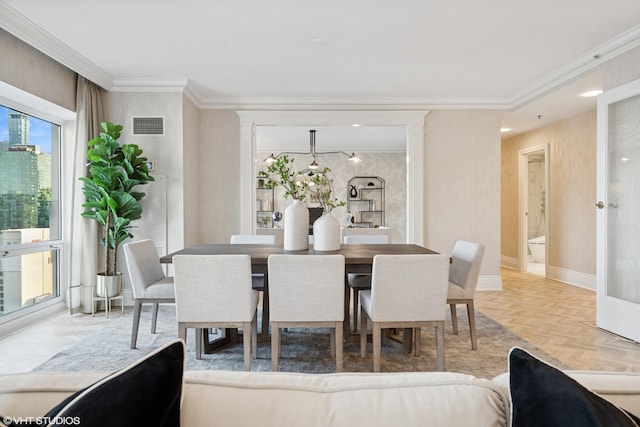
(29, 210)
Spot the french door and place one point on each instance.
(618, 211)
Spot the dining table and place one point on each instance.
(358, 258)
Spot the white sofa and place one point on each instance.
(222, 398)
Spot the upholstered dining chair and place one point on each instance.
(358, 282)
(257, 279)
(214, 291)
(307, 291)
(464, 270)
(148, 282)
(407, 291)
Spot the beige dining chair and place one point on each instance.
(307, 291)
(407, 291)
(464, 271)
(149, 284)
(358, 282)
(258, 279)
(214, 291)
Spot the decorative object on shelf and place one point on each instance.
(296, 216)
(312, 150)
(264, 203)
(326, 229)
(368, 208)
(353, 192)
(114, 171)
(276, 217)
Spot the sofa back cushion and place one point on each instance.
(291, 399)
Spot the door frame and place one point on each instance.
(413, 120)
(523, 193)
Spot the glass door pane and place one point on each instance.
(623, 207)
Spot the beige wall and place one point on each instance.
(571, 237)
(219, 160)
(167, 151)
(191, 168)
(462, 182)
(30, 70)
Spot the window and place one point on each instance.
(30, 230)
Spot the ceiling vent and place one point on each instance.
(148, 125)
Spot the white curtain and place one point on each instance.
(84, 233)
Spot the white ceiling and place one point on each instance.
(337, 54)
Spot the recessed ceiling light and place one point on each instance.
(355, 125)
(503, 130)
(591, 93)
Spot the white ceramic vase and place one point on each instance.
(296, 227)
(326, 233)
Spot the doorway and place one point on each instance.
(534, 183)
(413, 120)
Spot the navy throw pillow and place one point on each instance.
(543, 396)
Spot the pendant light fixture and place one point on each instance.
(312, 150)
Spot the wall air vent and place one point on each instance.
(148, 125)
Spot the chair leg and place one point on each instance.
(254, 336)
(275, 345)
(472, 325)
(182, 332)
(377, 347)
(416, 339)
(454, 319)
(355, 302)
(332, 342)
(137, 307)
(154, 317)
(199, 337)
(247, 337)
(440, 346)
(339, 346)
(363, 333)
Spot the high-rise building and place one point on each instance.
(18, 128)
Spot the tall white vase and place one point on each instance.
(326, 233)
(296, 227)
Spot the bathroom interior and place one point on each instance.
(536, 223)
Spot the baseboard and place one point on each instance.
(489, 283)
(509, 262)
(575, 278)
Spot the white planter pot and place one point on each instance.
(326, 233)
(109, 286)
(296, 227)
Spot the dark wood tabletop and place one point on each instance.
(357, 257)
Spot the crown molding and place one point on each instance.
(30, 33)
(364, 103)
(149, 85)
(582, 64)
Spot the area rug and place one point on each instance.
(302, 350)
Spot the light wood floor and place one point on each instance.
(559, 319)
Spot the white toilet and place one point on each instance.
(536, 246)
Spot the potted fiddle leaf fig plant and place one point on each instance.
(115, 170)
